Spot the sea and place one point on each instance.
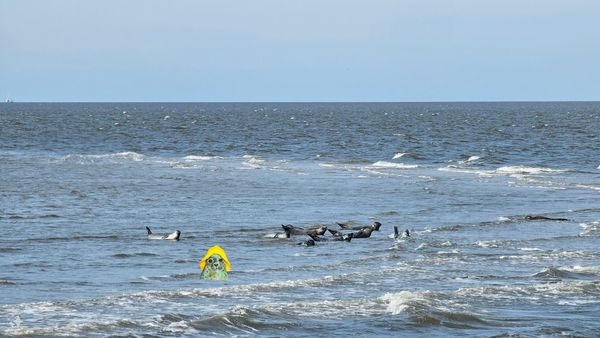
(502, 202)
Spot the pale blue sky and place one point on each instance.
(303, 50)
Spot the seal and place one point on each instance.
(278, 235)
(294, 230)
(173, 236)
(346, 226)
(309, 242)
(338, 237)
(363, 233)
(405, 234)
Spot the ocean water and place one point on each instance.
(79, 183)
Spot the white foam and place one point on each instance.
(327, 165)
(398, 155)
(127, 155)
(589, 186)
(401, 301)
(518, 172)
(422, 246)
(595, 270)
(530, 249)
(589, 228)
(470, 159)
(456, 169)
(503, 219)
(392, 165)
(200, 158)
(524, 170)
(488, 244)
(253, 162)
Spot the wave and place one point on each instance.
(470, 159)
(137, 254)
(553, 273)
(410, 155)
(28, 217)
(574, 272)
(454, 307)
(71, 328)
(7, 282)
(245, 320)
(550, 256)
(9, 249)
(201, 158)
(392, 165)
(514, 171)
(524, 170)
(177, 276)
(127, 155)
(433, 308)
(74, 237)
(590, 229)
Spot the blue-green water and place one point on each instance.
(79, 182)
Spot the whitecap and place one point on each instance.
(402, 301)
(254, 162)
(398, 155)
(455, 169)
(530, 249)
(470, 159)
(200, 158)
(589, 228)
(524, 170)
(392, 165)
(327, 165)
(127, 155)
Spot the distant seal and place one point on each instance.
(346, 226)
(405, 233)
(310, 242)
(293, 230)
(363, 233)
(278, 235)
(347, 238)
(544, 218)
(173, 236)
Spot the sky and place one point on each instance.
(299, 51)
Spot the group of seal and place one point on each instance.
(317, 232)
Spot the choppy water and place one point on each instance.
(79, 182)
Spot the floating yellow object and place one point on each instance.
(215, 264)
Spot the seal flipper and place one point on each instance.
(148, 231)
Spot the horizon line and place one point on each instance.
(313, 102)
